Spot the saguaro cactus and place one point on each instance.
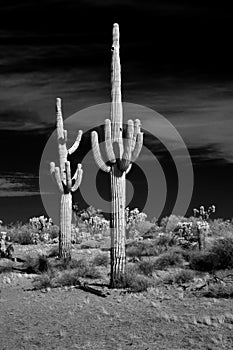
(120, 154)
(65, 182)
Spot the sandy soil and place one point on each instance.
(69, 318)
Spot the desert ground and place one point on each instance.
(165, 316)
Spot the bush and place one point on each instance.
(170, 258)
(52, 253)
(91, 244)
(134, 281)
(223, 249)
(169, 223)
(220, 227)
(146, 267)
(43, 281)
(39, 264)
(203, 261)
(142, 248)
(101, 260)
(220, 256)
(68, 277)
(219, 291)
(179, 277)
(21, 234)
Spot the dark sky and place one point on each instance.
(176, 58)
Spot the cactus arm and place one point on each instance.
(65, 135)
(137, 124)
(76, 143)
(128, 169)
(128, 147)
(77, 177)
(108, 142)
(55, 172)
(138, 146)
(97, 154)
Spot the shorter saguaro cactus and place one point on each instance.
(66, 183)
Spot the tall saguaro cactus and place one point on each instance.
(121, 153)
(65, 182)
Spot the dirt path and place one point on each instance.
(73, 319)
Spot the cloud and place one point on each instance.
(18, 184)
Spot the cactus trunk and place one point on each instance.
(64, 180)
(117, 226)
(65, 226)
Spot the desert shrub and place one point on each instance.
(223, 249)
(179, 277)
(38, 264)
(53, 252)
(134, 281)
(165, 240)
(152, 232)
(91, 244)
(43, 281)
(101, 260)
(142, 248)
(220, 256)
(219, 291)
(67, 278)
(21, 234)
(203, 261)
(146, 267)
(170, 258)
(221, 228)
(169, 223)
(6, 268)
(83, 269)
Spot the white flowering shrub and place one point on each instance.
(97, 225)
(133, 218)
(42, 230)
(185, 235)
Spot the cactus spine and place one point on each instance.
(65, 182)
(120, 156)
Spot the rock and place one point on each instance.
(228, 317)
(220, 319)
(207, 320)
